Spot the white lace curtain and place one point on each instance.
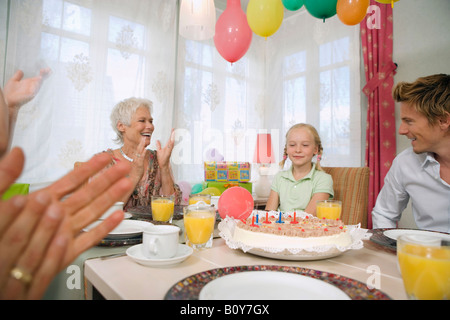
(313, 76)
(102, 51)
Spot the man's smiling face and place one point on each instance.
(415, 126)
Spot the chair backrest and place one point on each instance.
(351, 186)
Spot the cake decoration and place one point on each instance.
(308, 227)
(266, 221)
(279, 218)
(294, 221)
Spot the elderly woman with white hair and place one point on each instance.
(151, 174)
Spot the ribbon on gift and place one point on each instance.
(229, 185)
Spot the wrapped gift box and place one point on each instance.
(222, 186)
(227, 171)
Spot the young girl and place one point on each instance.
(304, 183)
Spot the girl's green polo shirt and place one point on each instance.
(296, 194)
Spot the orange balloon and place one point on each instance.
(351, 12)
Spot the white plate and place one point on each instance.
(135, 253)
(270, 285)
(395, 233)
(126, 229)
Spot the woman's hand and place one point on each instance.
(139, 156)
(163, 154)
(163, 157)
(138, 164)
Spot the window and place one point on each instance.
(320, 76)
(71, 44)
(214, 110)
(294, 88)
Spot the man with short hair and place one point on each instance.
(422, 172)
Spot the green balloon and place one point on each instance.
(321, 9)
(196, 188)
(292, 5)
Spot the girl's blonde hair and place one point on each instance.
(317, 141)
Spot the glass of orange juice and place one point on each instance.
(199, 220)
(194, 198)
(329, 209)
(424, 263)
(162, 208)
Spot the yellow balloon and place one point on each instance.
(387, 1)
(265, 16)
(213, 191)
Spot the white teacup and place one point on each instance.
(116, 206)
(160, 241)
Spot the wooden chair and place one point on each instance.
(351, 186)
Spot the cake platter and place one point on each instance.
(227, 225)
(300, 256)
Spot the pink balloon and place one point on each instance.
(236, 202)
(233, 34)
(185, 188)
(214, 155)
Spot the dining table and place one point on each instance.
(370, 272)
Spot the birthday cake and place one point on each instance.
(290, 231)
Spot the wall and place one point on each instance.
(421, 47)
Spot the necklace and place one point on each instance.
(125, 156)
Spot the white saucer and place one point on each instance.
(135, 253)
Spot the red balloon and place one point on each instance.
(233, 35)
(236, 202)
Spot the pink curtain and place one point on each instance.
(377, 43)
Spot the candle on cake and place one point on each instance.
(279, 218)
(295, 219)
(267, 218)
(253, 222)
